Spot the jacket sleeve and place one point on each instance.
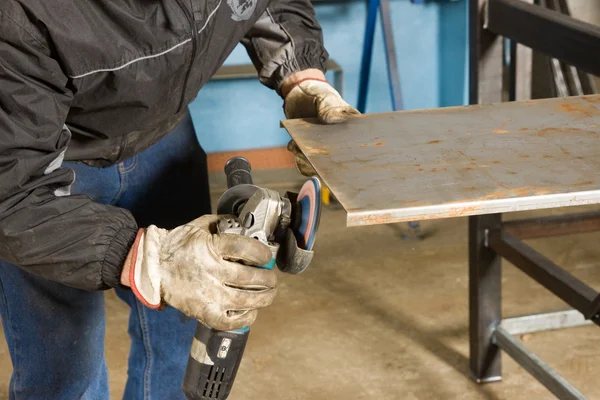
(286, 39)
(43, 230)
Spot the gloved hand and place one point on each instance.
(314, 97)
(311, 98)
(302, 164)
(201, 273)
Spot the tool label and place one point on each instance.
(224, 348)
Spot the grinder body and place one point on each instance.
(262, 214)
(214, 359)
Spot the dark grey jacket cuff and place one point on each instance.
(115, 257)
(307, 58)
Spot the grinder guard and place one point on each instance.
(291, 258)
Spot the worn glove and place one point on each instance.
(201, 273)
(314, 98)
(302, 164)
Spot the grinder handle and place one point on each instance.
(237, 170)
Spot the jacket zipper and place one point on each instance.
(190, 17)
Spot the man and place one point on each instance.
(103, 184)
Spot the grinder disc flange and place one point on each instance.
(309, 200)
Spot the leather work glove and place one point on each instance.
(200, 273)
(311, 98)
(302, 164)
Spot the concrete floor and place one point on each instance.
(376, 317)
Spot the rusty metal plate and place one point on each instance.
(458, 161)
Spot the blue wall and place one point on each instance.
(431, 49)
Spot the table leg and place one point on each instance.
(485, 277)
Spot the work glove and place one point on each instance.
(207, 276)
(312, 98)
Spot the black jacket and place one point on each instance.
(99, 81)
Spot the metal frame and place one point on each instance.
(560, 282)
(548, 31)
(568, 80)
(489, 242)
(490, 239)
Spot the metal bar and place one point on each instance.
(563, 71)
(550, 32)
(509, 55)
(390, 54)
(338, 81)
(489, 63)
(591, 83)
(536, 367)
(583, 82)
(248, 71)
(365, 67)
(575, 79)
(559, 225)
(587, 82)
(559, 78)
(564, 285)
(332, 65)
(560, 81)
(512, 49)
(577, 86)
(544, 322)
(473, 15)
(485, 311)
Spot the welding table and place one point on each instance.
(478, 161)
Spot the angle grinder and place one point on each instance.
(287, 225)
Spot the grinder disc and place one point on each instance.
(309, 200)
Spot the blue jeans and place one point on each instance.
(55, 333)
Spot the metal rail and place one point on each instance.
(560, 282)
(536, 367)
(554, 225)
(544, 322)
(390, 54)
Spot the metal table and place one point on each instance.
(480, 160)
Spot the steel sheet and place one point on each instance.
(459, 161)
